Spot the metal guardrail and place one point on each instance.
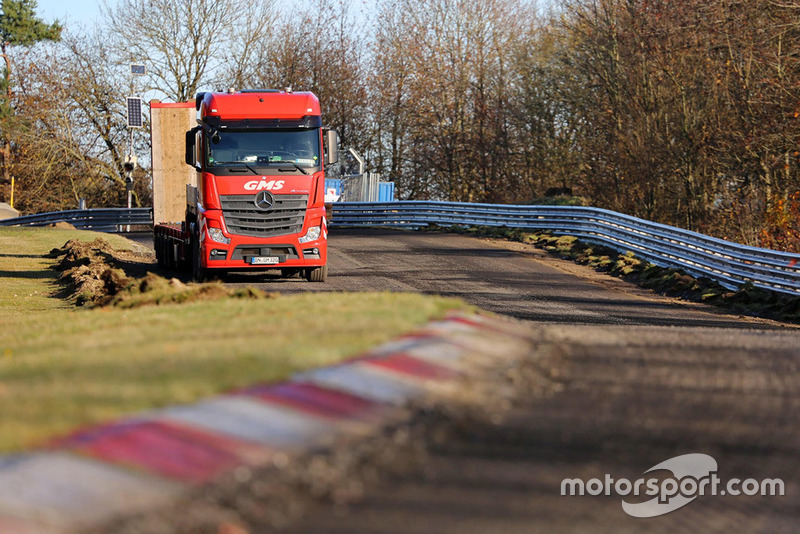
(731, 264)
(101, 219)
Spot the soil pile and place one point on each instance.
(92, 276)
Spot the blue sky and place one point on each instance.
(69, 13)
(86, 12)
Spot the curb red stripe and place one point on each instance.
(493, 325)
(316, 400)
(169, 449)
(408, 365)
(91, 434)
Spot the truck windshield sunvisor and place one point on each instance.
(310, 121)
(296, 149)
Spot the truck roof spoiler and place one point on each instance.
(260, 91)
(198, 99)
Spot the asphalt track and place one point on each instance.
(624, 399)
(638, 379)
(506, 278)
(635, 379)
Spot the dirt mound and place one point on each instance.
(87, 272)
(91, 274)
(154, 289)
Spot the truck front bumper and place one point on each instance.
(259, 255)
(250, 253)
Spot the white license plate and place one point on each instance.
(264, 260)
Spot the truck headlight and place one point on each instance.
(217, 235)
(312, 235)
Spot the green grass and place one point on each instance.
(62, 367)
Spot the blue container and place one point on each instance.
(333, 183)
(386, 192)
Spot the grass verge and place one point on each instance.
(747, 300)
(29, 285)
(62, 366)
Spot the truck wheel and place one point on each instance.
(157, 245)
(317, 274)
(169, 254)
(199, 273)
(166, 252)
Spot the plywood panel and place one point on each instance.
(169, 124)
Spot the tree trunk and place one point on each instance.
(4, 140)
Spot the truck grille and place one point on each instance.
(284, 217)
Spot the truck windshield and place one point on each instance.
(296, 148)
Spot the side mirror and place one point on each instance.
(332, 145)
(190, 147)
(191, 140)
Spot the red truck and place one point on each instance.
(257, 201)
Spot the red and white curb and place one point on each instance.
(148, 460)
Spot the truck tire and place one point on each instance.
(169, 253)
(159, 247)
(317, 274)
(164, 251)
(199, 273)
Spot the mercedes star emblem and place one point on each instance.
(264, 200)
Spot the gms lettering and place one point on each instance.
(272, 185)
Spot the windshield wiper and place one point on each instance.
(237, 163)
(296, 166)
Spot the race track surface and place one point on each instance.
(632, 394)
(634, 379)
(624, 400)
(507, 278)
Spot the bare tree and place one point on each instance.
(390, 93)
(248, 48)
(689, 108)
(447, 65)
(72, 132)
(19, 26)
(315, 48)
(185, 43)
(682, 112)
